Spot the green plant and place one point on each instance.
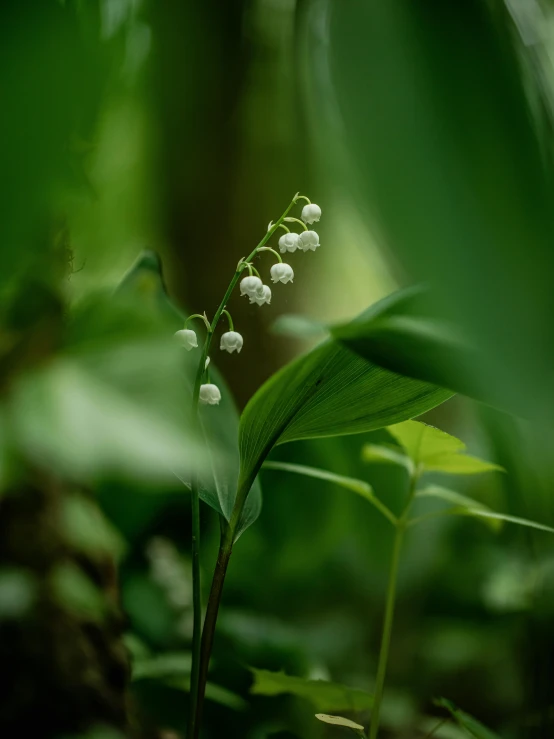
(421, 449)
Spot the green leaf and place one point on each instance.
(170, 664)
(350, 483)
(463, 719)
(327, 392)
(299, 327)
(324, 696)
(479, 512)
(215, 693)
(433, 450)
(221, 431)
(340, 721)
(464, 505)
(452, 170)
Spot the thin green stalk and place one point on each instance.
(200, 658)
(400, 526)
(387, 629)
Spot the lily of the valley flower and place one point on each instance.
(311, 213)
(282, 272)
(187, 338)
(231, 341)
(288, 242)
(250, 285)
(262, 296)
(308, 240)
(209, 394)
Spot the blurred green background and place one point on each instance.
(424, 131)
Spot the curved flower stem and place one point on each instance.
(297, 220)
(200, 658)
(282, 225)
(268, 248)
(201, 317)
(400, 526)
(303, 197)
(231, 325)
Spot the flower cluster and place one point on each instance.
(254, 289)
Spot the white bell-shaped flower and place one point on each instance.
(209, 394)
(250, 285)
(262, 296)
(308, 240)
(231, 341)
(282, 272)
(187, 338)
(288, 242)
(311, 213)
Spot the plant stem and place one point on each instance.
(201, 648)
(210, 621)
(400, 526)
(387, 629)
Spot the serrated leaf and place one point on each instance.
(323, 695)
(463, 719)
(350, 483)
(339, 721)
(433, 450)
(327, 392)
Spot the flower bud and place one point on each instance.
(288, 242)
(209, 394)
(308, 240)
(262, 296)
(282, 273)
(250, 285)
(231, 342)
(187, 338)
(311, 213)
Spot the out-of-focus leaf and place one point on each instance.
(464, 503)
(381, 454)
(472, 725)
(170, 664)
(76, 594)
(67, 419)
(324, 696)
(18, 593)
(299, 327)
(433, 450)
(479, 512)
(447, 155)
(357, 486)
(328, 392)
(87, 530)
(215, 693)
(340, 721)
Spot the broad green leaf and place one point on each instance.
(463, 503)
(405, 337)
(340, 721)
(381, 454)
(452, 170)
(219, 489)
(350, 483)
(324, 696)
(463, 719)
(327, 392)
(433, 450)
